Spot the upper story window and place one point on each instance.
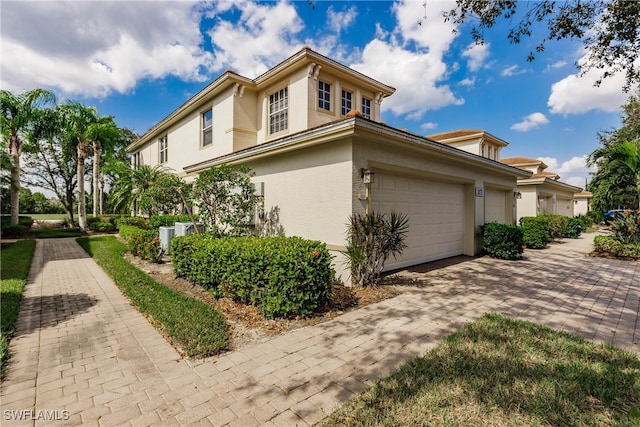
(324, 95)
(490, 152)
(163, 149)
(136, 160)
(207, 128)
(366, 108)
(482, 150)
(346, 102)
(279, 111)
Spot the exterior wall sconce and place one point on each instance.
(368, 177)
(517, 195)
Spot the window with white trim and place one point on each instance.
(136, 160)
(366, 108)
(346, 102)
(324, 95)
(163, 149)
(207, 128)
(279, 111)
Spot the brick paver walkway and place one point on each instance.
(83, 355)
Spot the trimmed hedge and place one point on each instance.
(168, 220)
(8, 230)
(136, 221)
(610, 245)
(535, 231)
(557, 225)
(503, 241)
(142, 243)
(282, 276)
(101, 226)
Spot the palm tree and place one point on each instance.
(618, 170)
(103, 134)
(17, 116)
(133, 183)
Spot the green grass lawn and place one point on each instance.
(40, 217)
(15, 261)
(191, 325)
(498, 371)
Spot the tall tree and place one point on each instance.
(133, 184)
(609, 29)
(103, 135)
(16, 119)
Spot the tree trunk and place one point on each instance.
(15, 149)
(96, 176)
(101, 192)
(82, 208)
(68, 204)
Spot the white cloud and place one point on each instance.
(556, 65)
(573, 171)
(512, 70)
(428, 126)
(338, 21)
(410, 58)
(476, 55)
(531, 121)
(467, 82)
(95, 48)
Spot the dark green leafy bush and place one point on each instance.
(282, 276)
(626, 227)
(535, 231)
(100, 226)
(586, 221)
(610, 245)
(8, 230)
(503, 241)
(596, 216)
(142, 243)
(168, 220)
(574, 228)
(135, 221)
(557, 225)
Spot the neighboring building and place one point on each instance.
(582, 202)
(474, 141)
(542, 192)
(310, 130)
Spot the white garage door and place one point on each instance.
(436, 216)
(494, 206)
(564, 207)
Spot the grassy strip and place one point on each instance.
(191, 325)
(500, 371)
(15, 261)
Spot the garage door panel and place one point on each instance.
(436, 216)
(495, 206)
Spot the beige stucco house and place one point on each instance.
(542, 192)
(582, 202)
(310, 130)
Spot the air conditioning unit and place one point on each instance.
(184, 228)
(166, 234)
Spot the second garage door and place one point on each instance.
(436, 216)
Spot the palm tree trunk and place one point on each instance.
(15, 150)
(82, 208)
(96, 177)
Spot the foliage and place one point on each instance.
(10, 230)
(574, 228)
(626, 227)
(15, 262)
(17, 114)
(557, 225)
(133, 183)
(612, 246)
(503, 241)
(163, 196)
(101, 226)
(191, 325)
(372, 239)
(498, 371)
(282, 276)
(142, 243)
(535, 230)
(168, 220)
(225, 198)
(609, 29)
(135, 221)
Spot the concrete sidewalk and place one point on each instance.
(83, 356)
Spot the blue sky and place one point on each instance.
(138, 61)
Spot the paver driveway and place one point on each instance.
(83, 355)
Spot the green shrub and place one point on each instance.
(557, 225)
(626, 227)
(92, 220)
(586, 221)
(282, 276)
(610, 245)
(596, 216)
(535, 231)
(101, 226)
(9, 230)
(136, 221)
(168, 220)
(142, 243)
(574, 228)
(503, 241)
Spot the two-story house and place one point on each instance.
(310, 130)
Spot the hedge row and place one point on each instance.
(282, 276)
(612, 246)
(142, 243)
(9, 230)
(503, 241)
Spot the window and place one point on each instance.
(490, 152)
(279, 111)
(163, 149)
(136, 160)
(207, 128)
(366, 108)
(347, 102)
(324, 95)
(482, 150)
